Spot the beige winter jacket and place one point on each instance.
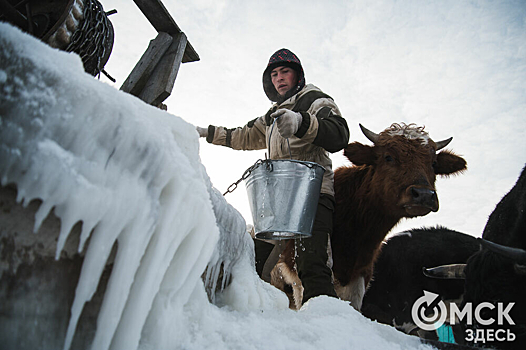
(322, 130)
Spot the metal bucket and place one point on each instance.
(283, 196)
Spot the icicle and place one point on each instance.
(96, 256)
(132, 246)
(42, 212)
(66, 225)
(163, 249)
(232, 228)
(87, 227)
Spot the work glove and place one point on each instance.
(203, 132)
(287, 121)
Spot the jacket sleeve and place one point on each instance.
(323, 126)
(249, 137)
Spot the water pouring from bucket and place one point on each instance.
(283, 196)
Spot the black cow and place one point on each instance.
(497, 273)
(497, 276)
(507, 223)
(398, 280)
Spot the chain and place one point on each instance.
(268, 163)
(246, 174)
(89, 41)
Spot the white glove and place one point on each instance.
(203, 132)
(288, 122)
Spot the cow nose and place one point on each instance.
(425, 197)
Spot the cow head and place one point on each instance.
(404, 163)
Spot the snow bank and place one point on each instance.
(132, 174)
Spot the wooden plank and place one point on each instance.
(162, 21)
(161, 81)
(138, 78)
(158, 16)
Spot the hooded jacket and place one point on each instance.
(321, 131)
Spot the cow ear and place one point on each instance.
(449, 163)
(359, 154)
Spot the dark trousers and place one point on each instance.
(311, 253)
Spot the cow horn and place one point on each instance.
(443, 143)
(516, 254)
(453, 271)
(369, 134)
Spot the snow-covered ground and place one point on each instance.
(133, 173)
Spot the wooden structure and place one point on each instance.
(153, 77)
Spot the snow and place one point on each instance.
(132, 174)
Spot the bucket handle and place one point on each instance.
(247, 172)
(270, 135)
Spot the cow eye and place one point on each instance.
(388, 158)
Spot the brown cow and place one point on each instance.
(391, 180)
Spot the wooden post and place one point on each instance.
(161, 82)
(137, 79)
(153, 77)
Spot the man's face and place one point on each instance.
(283, 78)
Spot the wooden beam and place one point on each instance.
(139, 76)
(161, 82)
(162, 21)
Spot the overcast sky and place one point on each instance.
(456, 67)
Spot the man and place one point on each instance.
(311, 123)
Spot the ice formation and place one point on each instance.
(130, 172)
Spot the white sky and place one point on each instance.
(457, 67)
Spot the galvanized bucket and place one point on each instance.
(283, 196)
